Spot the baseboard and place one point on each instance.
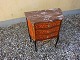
(12, 21)
(23, 19)
(70, 12)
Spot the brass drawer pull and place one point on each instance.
(47, 36)
(48, 25)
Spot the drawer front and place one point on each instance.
(43, 25)
(47, 31)
(43, 37)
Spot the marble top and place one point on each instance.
(44, 15)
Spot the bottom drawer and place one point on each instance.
(43, 37)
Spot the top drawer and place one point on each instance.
(43, 25)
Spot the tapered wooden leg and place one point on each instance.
(57, 41)
(30, 38)
(28, 31)
(35, 46)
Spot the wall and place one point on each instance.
(10, 9)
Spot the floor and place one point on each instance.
(15, 43)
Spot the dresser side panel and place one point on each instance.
(31, 30)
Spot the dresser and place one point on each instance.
(44, 24)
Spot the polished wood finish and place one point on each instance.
(44, 24)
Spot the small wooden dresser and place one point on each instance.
(44, 24)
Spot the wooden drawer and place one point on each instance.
(43, 37)
(42, 25)
(47, 31)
